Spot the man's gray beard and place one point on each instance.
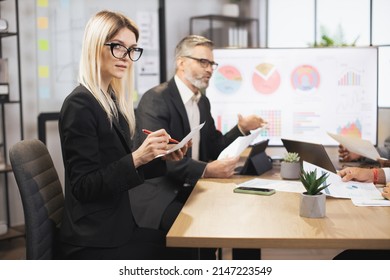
(199, 84)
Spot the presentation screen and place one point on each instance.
(301, 93)
(384, 76)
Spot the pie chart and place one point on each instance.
(266, 79)
(305, 78)
(227, 79)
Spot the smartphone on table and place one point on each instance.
(251, 190)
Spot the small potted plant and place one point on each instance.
(290, 167)
(312, 202)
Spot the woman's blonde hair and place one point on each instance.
(99, 30)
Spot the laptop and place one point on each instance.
(310, 152)
(257, 161)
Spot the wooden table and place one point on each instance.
(214, 216)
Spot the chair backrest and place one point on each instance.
(41, 194)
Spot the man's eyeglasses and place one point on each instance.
(120, 52)
(204, 62)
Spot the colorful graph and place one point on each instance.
(351, 129)
(274, 119)
(350, 79)
(305, 78)
(225, 122)
(266, 79)
(227, 79)
(305, 122)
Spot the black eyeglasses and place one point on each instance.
(204, 62)
(120, 52)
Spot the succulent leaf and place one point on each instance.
(312, 184)
(291, 157)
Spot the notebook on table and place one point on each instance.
(310, 152)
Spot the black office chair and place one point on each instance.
(42, 197)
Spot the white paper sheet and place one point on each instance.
(239, 145)
(356, 145)
(184, 140)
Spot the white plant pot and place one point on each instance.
(312, 206)
(290, 170)
(230, 10)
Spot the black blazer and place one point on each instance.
(162, 107)
(99, 171)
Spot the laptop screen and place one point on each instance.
(310, 152)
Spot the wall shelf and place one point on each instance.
(227, 31)
(10, 101)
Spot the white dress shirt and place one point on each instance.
(387, 174)
(190, 101)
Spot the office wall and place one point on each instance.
(178, 23)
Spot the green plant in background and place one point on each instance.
(312, 184)
(337, 40)
(291, 157)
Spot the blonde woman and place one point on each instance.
(96, 128)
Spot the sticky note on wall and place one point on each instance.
(43, 71)
(44, 92)
(42, 3)
(43, 45)
(43, 22)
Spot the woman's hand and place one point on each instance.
(178, 154)
(155, 144)
(386, 191)
(346, 155)
(356, 174)
(367, 175)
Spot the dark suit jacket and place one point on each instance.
(99, 171)
(162, 107)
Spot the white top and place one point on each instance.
(387, 174)
(190, 101)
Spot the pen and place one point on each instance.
(171, 140)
